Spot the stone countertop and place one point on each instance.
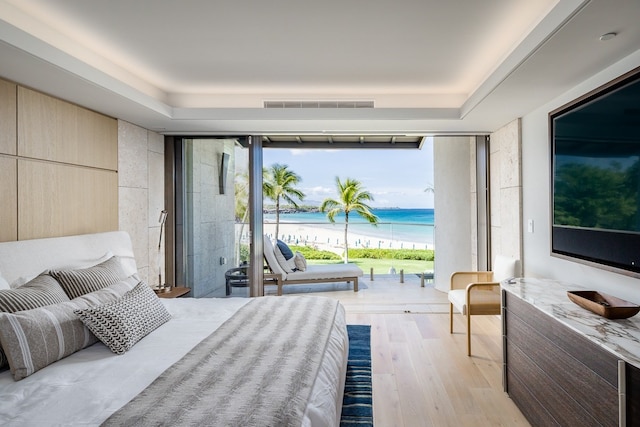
(620, 337)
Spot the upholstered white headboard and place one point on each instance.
(28, 258)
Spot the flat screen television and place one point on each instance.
(595, 167)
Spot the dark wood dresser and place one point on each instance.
(565, 366)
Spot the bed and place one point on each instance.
(190, 351)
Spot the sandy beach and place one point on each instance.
(332, 239)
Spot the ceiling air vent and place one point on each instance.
(319, 104)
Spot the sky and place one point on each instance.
(396, 178)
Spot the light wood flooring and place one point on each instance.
(421, 373)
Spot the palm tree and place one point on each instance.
(279, 184)
(351, 198)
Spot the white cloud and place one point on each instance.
(319, 190)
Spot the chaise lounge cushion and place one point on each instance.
(312, 272)
(327, 271)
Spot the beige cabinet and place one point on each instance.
(61, 200)
(7, 117)
(55, 130)
(58, 167)
(9, 199)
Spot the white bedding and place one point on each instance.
(88, 386)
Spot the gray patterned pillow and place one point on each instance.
(82, 281)
(121, 324)
(36, 338)
(41, 291)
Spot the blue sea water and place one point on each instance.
(409, 225)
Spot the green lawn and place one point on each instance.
(382, 266)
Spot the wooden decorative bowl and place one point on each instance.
(603, 304)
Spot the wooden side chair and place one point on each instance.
(478, 292)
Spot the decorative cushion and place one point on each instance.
(287, 264)
(42, 290)
(284, 249)
(122, 323)
(301, 261)
(82, 281)
(37, 338)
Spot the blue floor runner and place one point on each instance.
(357, 405)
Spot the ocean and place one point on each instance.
(408, 225)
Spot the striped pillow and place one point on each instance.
(82, 281)
(42, 290)
(121, 324)
(36, 338)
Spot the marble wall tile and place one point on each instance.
(506, 191)
(156, 187)
(211, 217)
(156, 258)
(133, 218)
(132, 155)
(510, 149)
(141, 193)
(156, 142)
(494, 183)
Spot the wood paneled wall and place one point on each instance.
(58, 166)
(51, 129)
(8, 117)
(8, 199)
(8, 163)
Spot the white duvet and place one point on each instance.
(88, 386)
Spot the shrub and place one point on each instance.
(400, 254)
(310, 253)
(244, 253)
(409, 254)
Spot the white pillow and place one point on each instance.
(300, 261)
(4, 284)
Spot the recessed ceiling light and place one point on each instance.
(608, 36)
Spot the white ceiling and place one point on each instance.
(207, 66)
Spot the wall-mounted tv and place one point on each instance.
(595, 166)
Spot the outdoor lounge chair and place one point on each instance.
(313, 273)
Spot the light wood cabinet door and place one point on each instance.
(8, 199)
(60, 200)
(8, 114)
(52, 129)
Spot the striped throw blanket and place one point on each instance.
(257, 369)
